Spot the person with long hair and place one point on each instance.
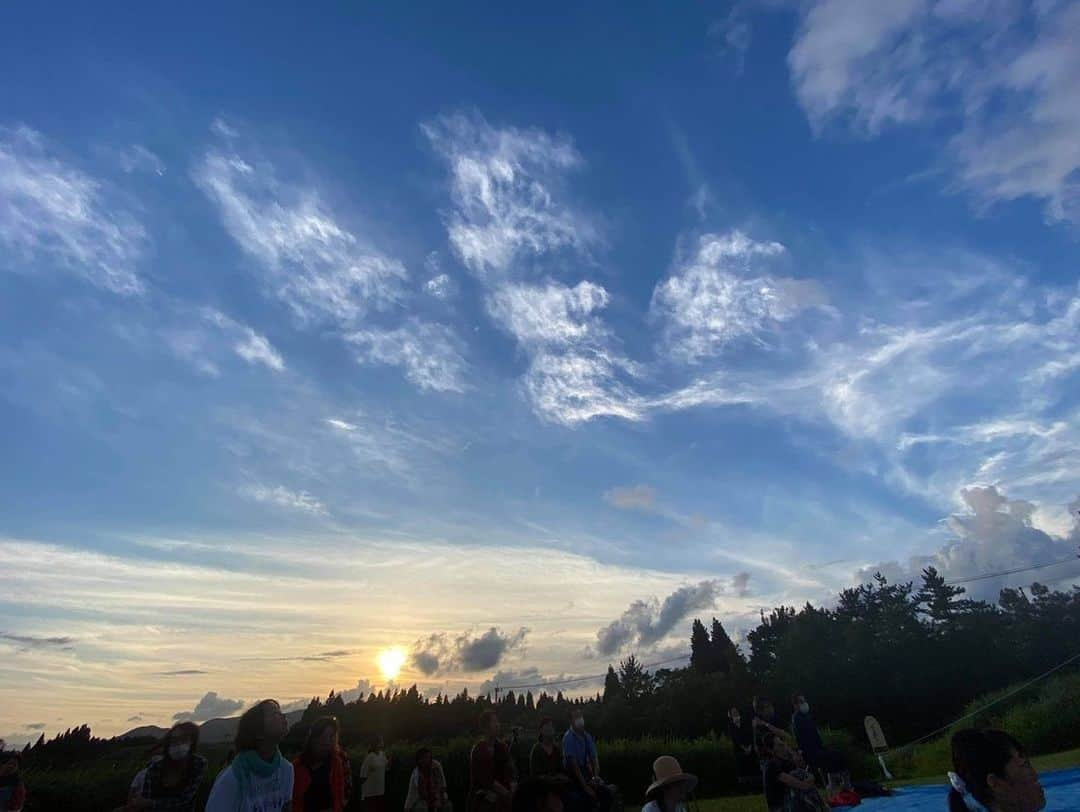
(171, 780)
(257, 779)
(992, 772)
(373, 776)
(322, 776)
(545, 758)
(427, 785)
(491, 774)
(12, 789)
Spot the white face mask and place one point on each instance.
(178, 752)
(804, 707)
(579, 723)
(736, 719)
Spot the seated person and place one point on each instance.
(669, 788)
(538, 794)
(992, 772)
(789, 786)
(546, 757)
(587, 790)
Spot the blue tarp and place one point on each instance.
(1062, 793)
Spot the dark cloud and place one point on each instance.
(638, 497)
(994, 534)
(321, 657)
(28, 641)
(209, 707)
(438, 654)
(35, 726)
(183, 672)
(136, 718)
(645, 623)
(740, 584)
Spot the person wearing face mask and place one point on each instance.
(257, 779)
(669, 788)
(808, 741)
(172, 778)
(747, 770)
(546, 758)
(582, 764)
(992, 774)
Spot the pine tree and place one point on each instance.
(634, 680)
(530, 704)
(701, 650)
(723, 650)
(612, 688)
(937, 599)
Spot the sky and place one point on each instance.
(507, 341)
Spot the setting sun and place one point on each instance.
(390, 661)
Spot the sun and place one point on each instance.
(390, 661)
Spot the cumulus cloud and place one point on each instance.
(306, 256)
(993, 534)
(1007, 74)
(210, 706)
(430, 354)
(714, 298)
(438, 653)
(647, 622)
(506, 679)
(53, 212)
(505, 185)
(282, 497)
(636, 497)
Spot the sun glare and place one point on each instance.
(390, 661)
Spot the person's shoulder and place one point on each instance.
(285, 767)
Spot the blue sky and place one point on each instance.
(323, 333)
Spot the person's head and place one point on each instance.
(489, 724)
(670, 784)
(994, 768)
(799, 703)
(777, 747)
(180, 742)
(763, 707)
(423, 758)
(547, 729)
(734, 715)
(577, 719)
(376, 744)
(262, 725)
(9, 764)
(322, 739)
(537, 795)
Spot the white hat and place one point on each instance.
(667, 771)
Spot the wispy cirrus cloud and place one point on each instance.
(53, 213)
(282, 497)
(430, 354)
(1010, 70)
(635, 497)
(306, 256)
(29, 641)
(714, 298)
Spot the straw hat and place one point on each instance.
(667, 771)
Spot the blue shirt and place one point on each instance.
(580, 749)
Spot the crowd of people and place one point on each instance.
(990, 770)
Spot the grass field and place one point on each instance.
(755, 803)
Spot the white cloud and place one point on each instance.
(51, 211)
(1011, 72)
(210, 706)
(255, 349)
(429, 353)
(553, 314)
(993, 534)
(204, 338)
(505, 185)
(309, 259)
(283, 497)
(713, 298)
(440, 286)
(138, 158)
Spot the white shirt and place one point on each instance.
(373, 775)
(269, 794)
(651, 806)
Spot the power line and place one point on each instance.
(989, 575)
(997, 701)
(573, 680)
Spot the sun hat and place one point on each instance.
(666, 771)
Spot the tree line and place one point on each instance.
(912, 656)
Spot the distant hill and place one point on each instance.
(212, 731)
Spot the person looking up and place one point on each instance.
(172, 778)
(257, 779)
